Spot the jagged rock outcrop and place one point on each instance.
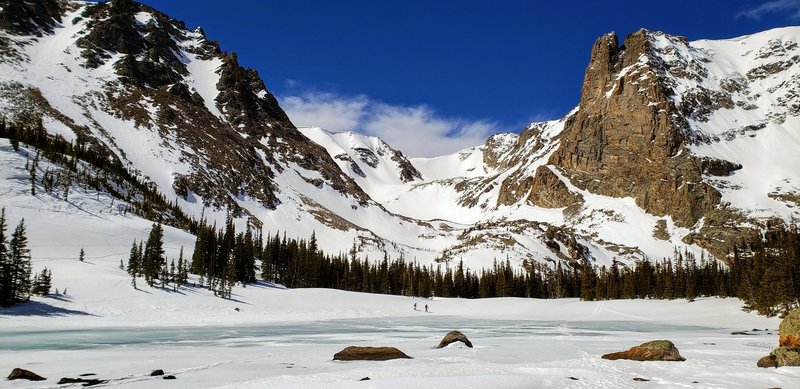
(29, 17)
(626, 137)
(548, 191)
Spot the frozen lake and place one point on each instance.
(507, 353)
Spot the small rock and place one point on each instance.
(656, 350)
(573, 378)
(169, 377)
(87, 375)
(236, 309)
(355, 353)
(740, 333)
(22, 374)
(640, 379)
(768, 361)
(454, 336)
(84, 381)
(157, 372)
(365, 379)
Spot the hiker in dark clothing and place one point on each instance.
(426, 307)
(415, 306)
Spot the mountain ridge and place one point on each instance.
(640, 168)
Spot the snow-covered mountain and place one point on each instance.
(675, 144)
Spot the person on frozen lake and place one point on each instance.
(415, 306)
(426, 307)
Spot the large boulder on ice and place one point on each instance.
(454, 336)
(656, 350)
(789, 330)
(355, 353)
(788, 351)
(22, 374)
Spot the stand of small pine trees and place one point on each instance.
(16, 284)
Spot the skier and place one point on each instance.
(426, 307)
(415, 306)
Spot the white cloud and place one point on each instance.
(790, 8)
(417, 131)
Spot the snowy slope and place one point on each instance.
(203, 147)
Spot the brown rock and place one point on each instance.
(157, 372)
(548, 191)
(785, 356)
(768, 361)
(790, 330)
(22, 374)
(356, 353)
(454, 336)
(656, 350)
(627, 138)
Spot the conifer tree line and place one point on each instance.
(83, 162)
(16, 284)
(764, 274)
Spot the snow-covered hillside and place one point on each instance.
(180, 113)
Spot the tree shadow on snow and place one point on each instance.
(266, 284)
(38, 308)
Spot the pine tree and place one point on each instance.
(153, 258)
(172, 276)
(5, 264)
(20, 259)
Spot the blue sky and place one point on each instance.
(435, 76)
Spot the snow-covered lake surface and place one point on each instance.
(510, 351)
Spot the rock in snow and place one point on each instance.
(355, 353)
(22, 374)
(454, 336)
(656, 350)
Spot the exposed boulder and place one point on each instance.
(785, 356)
(454, 336)
(790, 330)
(768, 361)
(84, 381)
(656, 350)
(788, 351)
(22, 374)
(356, 353)
(157, 372)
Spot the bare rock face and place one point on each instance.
(356, 353)
(22, 374)
(548, 191)
(656, 350)
(626, 139)
(454, 336)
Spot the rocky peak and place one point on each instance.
(625, 138)
(29, 17)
